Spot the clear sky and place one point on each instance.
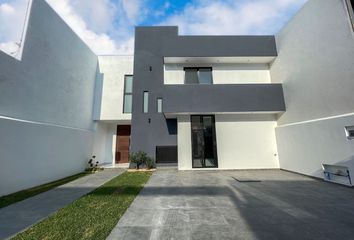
(107, 26)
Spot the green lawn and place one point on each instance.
(21, 195)
(94, 215)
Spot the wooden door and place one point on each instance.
(122, 143)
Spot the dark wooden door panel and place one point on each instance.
(123, 143)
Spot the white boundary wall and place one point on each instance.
(315, 66)
(36, 153)
(46, 104)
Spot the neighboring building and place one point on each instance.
(214, 102)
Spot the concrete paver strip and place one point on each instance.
(19, 216)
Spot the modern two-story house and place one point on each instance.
(194, 102)
(205, 101)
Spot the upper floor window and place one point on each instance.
(201, 75)
(128, 94)
(350, 4)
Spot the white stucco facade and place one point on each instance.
(223, 73)
(305, 146)
(46, 99)
(104, 146)
(315, 66)
(246, 141)
(114, 69)
(243, 142)
(59, 104)
(184, 142)
(109, 103)
(34, 153)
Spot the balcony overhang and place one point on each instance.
(176, 115)
(218, 60)
(223, 99)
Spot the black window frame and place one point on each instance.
(198, 68)
(350, 6)
(201, 117)
(125, 93)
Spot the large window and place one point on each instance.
(146, 102)
(128, 94)
(198, 75)
(350, 4)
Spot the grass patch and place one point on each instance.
(94, 215)
(27, 193)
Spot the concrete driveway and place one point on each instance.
(213, 205)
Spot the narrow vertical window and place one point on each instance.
(128, 94)
(146, 102)
(159, 105)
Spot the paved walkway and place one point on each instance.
(213, 205)
(19, 216)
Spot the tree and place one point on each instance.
(138, 158)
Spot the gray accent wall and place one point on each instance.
(219, 98)
(152, 44)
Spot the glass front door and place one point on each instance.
(204, 153)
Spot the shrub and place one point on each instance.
(138, 158)
(149, 162)
(141, 158)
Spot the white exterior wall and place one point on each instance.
(105, 142)
(114, 68)
(243, 142)
(315, 65)
(99, 143)
(246, 142)
(305, 146)
(315, 62)
(37, 153)
(46, 104)
(109, 102)
(223, 73)
(184, 142)
(55, 80)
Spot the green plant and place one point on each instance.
(92, 216)
(149, 162)
(138, 158)
(93, 165)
